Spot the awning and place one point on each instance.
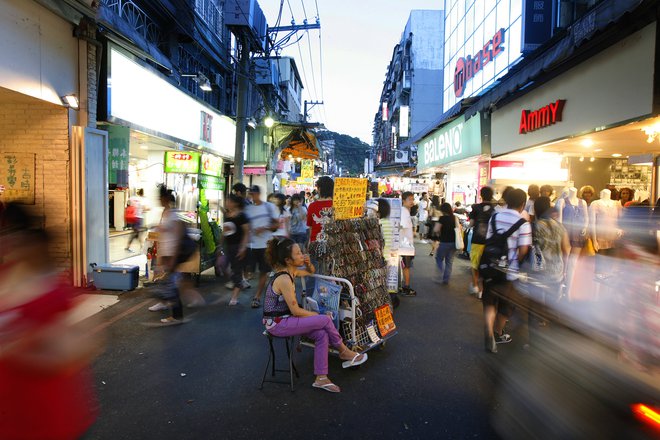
(296, 141)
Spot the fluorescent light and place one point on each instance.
(70, 101)
(597, 150)
(617, 155)
(587, 143)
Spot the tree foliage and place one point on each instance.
(350, 151)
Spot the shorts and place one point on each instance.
(495, 294)
(476, 251)
(258, 261)
(407, 261)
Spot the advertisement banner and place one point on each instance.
(349, 197)
(118, 152)
(181, 162)
(211, 182)
(211, 165)
(17, 177)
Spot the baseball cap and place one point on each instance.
(255, 189)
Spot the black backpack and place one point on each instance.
(480, 229)
(494, 261)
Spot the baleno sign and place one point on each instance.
(546, 115)
(457, 140)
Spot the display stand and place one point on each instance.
(350, 252)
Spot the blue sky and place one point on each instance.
(357, 38)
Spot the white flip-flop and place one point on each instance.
(327, 387)
(353, 362)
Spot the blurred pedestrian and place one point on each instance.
(407, 241)
(434, 230)
(140, 207)
(284, 216)
(236, 230)
(423, 216)
(479, 220)
(46, 382)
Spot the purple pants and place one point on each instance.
(320, 328)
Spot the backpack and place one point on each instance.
(187, 246)
(494, 261)
(481, 223)
(545, 255)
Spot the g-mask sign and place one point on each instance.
(444, 146)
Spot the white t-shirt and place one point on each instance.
(504, 219)
(423, 210)
(282, 230)
(261, 216)
(529, 207)
(406, 234)
(167, 234)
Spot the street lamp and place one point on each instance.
(269, 122)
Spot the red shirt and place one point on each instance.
(38, 405)
(314, 216)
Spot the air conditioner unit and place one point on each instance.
(401, 157)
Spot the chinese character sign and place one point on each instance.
(17, 177)
(118, 149)
(349, 197)
(307, 169)
(211, 165)
(181, 162)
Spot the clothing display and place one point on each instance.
(574, 215)
(604, 217)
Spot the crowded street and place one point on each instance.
(301, 219)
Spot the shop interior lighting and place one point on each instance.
(581, 158)
(598, 150)
(593, 159)
(617, 155)
(587, 143)
(652, 132)
(70, 101)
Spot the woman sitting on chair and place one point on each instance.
(283, 316)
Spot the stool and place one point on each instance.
(271, 360)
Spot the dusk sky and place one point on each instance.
(357, 38)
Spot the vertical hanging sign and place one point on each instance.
(118, 152)
(17, 177)
(307, 171)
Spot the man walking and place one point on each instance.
(406, 236)
(263, 222)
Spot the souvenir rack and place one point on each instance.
(353, 250)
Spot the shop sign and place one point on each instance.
(467, 68)
(536, 23)
(211, 182)
(181, 162)
(211, 165)
(118, 151)
(17, 177)
(254, 171)
(303, 181)
(349, 197)
(543, 117)
(385, 320)
(307, 169)
(206, 127)
(484, 175)
(457, 140)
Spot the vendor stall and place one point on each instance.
(350, 247)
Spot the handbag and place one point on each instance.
(458, 232)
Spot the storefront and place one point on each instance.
(152, 126)
(592, 125)
(455, 150)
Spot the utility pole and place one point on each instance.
(241, 107)
(311, 106)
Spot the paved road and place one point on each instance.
(429, 382)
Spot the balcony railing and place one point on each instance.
(211, 13)
(136, 17)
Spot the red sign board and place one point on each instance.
(543, 117)
(467, 67)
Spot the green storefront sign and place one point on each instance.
(182, 162)
(118, 152)
(460, 139)
(211, 182)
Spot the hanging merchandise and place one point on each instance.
(353, 250)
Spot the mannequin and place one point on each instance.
(573, 213)
(603, 218)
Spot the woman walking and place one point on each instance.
(298, 221)
(284, 317)
(434, 215)
(444, 256)
(284, 216)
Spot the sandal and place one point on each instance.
(233, 302)
(171, 321)
(328, 386)
(255, 303)
(355, 362)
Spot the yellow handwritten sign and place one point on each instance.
(307, 169)
(17, 177)
(349, 197)
(384, 319)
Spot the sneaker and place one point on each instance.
(158, 307)
(129, 250)
(407, 291)
(229, 285)
(504, 338)
(245, 284)
(474, 290)
(424, 241)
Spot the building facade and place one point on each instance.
(412, 90)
